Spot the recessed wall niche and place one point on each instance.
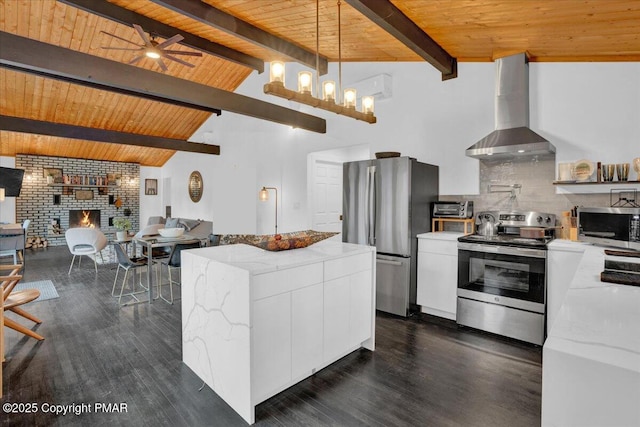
(37, 200)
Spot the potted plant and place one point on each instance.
(122, 225)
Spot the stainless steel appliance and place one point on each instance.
(502, 276)
(453, 209)
(619, 227)
(386, 203)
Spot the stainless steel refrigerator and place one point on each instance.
(386, 203)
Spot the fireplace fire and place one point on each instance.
(87, 218)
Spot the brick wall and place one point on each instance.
(37, 201)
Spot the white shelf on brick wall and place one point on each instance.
(83, 185)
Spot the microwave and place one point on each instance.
(619, 227)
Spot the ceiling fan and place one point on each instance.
(153, 49)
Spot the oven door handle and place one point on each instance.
(502, 250)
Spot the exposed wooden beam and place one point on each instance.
(18, 124)
(128, 17)
(56, 62)
(202, 12)
(387, 16)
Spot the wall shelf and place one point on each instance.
(83, 185)
(591, 187)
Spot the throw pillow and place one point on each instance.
(171, 223)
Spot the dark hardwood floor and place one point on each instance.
(424, 372)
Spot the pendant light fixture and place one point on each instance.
(328, 100)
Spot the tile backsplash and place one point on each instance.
(537, 192)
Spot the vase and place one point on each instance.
(121, 235)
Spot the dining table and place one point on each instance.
(157, 241)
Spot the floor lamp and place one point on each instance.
(264, 196)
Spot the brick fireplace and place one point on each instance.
(45, 204)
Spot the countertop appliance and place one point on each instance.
(619, 226)
(502, 277)
(452, 209)
(386, 203)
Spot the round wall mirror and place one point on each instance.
(195, 186)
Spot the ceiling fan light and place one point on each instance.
(152, 53)
(276, 72)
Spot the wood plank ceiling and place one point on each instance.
(469, 30)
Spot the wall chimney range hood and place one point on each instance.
(512, 137)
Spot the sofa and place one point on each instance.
(197, 228)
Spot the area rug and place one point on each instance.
(46, 288)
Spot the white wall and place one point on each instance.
(8, 207)
(588, 110)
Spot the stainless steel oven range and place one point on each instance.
(502, 276)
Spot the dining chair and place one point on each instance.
(173, 262)
(126, 263)
(14, 299)
(14, 252)
(85, 241)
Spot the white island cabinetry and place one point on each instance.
(438, 273)
(257, 322)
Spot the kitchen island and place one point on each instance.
(591, 358)
(256, 322)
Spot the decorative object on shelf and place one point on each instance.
(278, 242)
(84, 194)
(151, 187)
(53, 175)
(636, 167)
(622, 171)
(122, 225)
(582, 170)
(264, 196)
(118, 203)
(607, 172)
(564, 172)
(327, 102)
(387, 154)
(126, 212)
(103, 191)
(195, 186)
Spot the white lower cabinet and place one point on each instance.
(306, 333)
(271, 339)
(437, 286)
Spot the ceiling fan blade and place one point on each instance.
(121, 48)
(143, 35)
(168, 42)
(180, 52)
(161, 64)
(120, 38)
(173, 58)
(136, 59)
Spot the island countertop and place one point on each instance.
(259, 261)
(591, 358)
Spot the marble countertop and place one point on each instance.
(442, 235)
(599, 321)
(258, 261)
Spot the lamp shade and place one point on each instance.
(304, 82)
(329, 90)
(276, 72)
(367, 104)
(263, 195)
(350, 98)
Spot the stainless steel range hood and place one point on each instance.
(512, 137)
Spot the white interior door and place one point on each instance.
(327, 196)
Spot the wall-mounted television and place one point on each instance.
(11, 181)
